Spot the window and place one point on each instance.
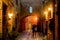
(30, 9)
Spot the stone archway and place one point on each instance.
(25, 25)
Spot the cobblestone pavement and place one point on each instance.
(26, 36)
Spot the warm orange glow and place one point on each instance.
(49, 9)
(51, 14)
(10, 15)
(36, 18)
(46, 15)
(33, 19)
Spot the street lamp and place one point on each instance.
(49, 9)
(46, 15)
(10, 15)
(35, 18)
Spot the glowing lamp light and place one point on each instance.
(49, 9)
(10, 15)
(35, 18)
(46, 15)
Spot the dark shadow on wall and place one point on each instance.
(5, 24)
